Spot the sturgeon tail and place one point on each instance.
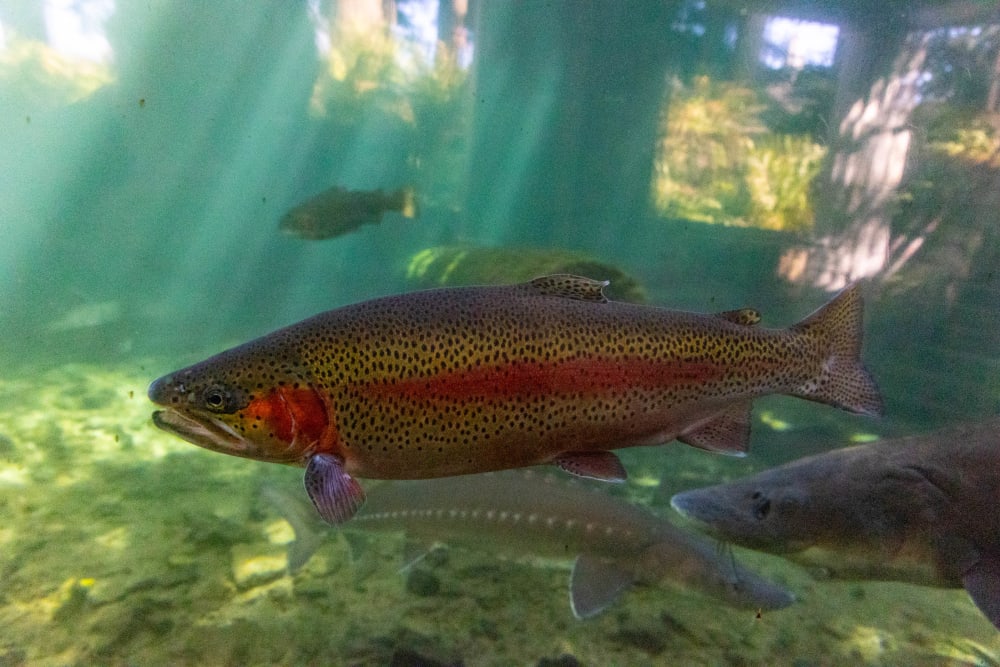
(842, 381)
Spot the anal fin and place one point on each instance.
(600, 465)
(336, 495)
(728, 432)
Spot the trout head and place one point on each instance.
(265, 410)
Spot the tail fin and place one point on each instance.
(843, 381)
(408, 198)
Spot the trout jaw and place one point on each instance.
(205, 431)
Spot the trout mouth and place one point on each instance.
(202, 430)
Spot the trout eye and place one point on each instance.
(217, 399)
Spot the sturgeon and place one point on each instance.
(526, 512)
(923, 509)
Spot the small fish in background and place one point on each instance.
(527, 512)
(923, 509)
(461, 380)
(338, 211)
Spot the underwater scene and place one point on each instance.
(455, 332)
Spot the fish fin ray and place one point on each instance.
(727, 433)
(843, 381)
(600, 465)
(982, 582)
(336, 495)
(595, 584)
(568, 286)
(414, 551)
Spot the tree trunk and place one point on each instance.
(567, 99)
(856, 200)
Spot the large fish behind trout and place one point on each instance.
(472, 379)
(613, 544)
(921, 509)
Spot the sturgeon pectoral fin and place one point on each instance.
(604, 466)
(728, 432)
(594, 584)
(335, 494)
(309, 533)
(982, 581)
(569, 286)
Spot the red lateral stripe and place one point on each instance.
(534, 378)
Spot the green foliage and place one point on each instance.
(374, 80)
(779, 172)
(718, 164)
(707, 134)
(361, 77)
(960, 132)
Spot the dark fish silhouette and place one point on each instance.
(338, 211)
(472, 379)
(525, 512)
(922, 509)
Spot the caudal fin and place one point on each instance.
(843, 381)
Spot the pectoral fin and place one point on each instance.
(982, 581)
(594, 584)
(728, 432)
(604, 466)
(335, 494)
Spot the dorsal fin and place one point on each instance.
(569, 286)
(745, 316)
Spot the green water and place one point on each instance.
(141, 184)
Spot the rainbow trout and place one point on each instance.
(473, 379)
(921, 509)
(614, 544)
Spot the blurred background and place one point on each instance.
(702, 154)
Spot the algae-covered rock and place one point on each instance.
(257, 565)
(474, 265)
